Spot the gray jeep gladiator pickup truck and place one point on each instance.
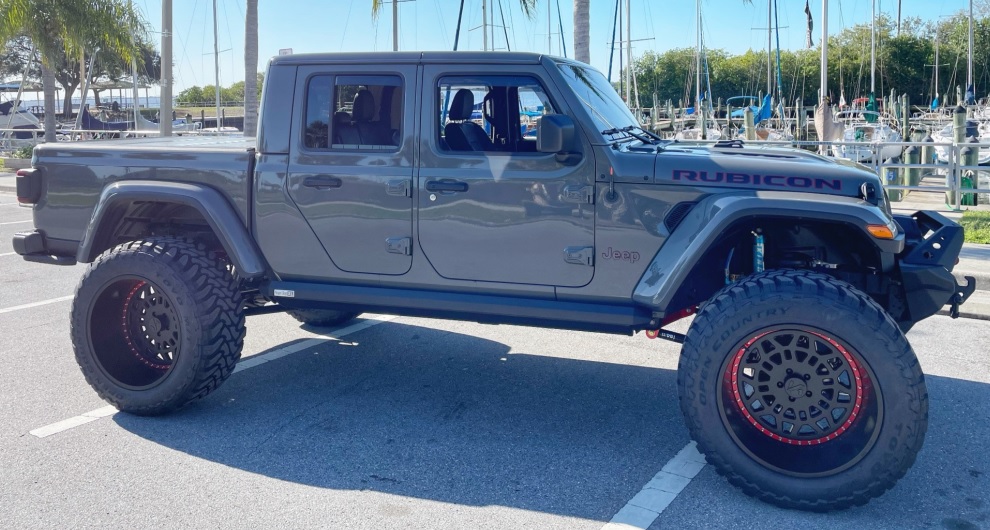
(512, 188)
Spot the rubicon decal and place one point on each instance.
(755, 179)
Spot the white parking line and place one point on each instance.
(82, 419)
(7, 254)
(17, 222)
(658, 493)
(34, 304)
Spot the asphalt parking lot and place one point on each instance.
(415, 423)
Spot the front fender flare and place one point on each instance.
(217, 211)
(698, 231)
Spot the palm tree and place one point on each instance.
(251, 69)
(582, 29)
(107, 25)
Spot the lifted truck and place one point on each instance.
(512, 188)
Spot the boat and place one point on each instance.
(866, 126)
(945, 135)
(703, 128)
(866, 132)
(25, 123)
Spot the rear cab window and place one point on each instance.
(348, 112)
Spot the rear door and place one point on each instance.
(350, 171)
(505, 213)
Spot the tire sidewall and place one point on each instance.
(711, 341)
(140, 264)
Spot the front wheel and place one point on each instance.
(802, 391)
(157, 323)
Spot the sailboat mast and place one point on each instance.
(629, 102)
(873, 49)
(936, 62)
(216, 62)
(484, 24)
(824, 69)
(697, 65)
(769, 45)
(969, 62)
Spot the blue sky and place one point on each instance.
(346, 25)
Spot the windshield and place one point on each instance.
(598, 96)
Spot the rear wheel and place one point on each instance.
(802, 391)
(157, 323)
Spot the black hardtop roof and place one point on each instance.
(412, 57)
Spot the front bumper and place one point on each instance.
(932, 246)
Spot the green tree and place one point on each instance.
(72, 27)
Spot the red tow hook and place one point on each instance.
(671, 335)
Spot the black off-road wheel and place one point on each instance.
(802, 391)
(156, 324)
(323, 318)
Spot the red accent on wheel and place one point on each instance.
(125, 309)
(733, 373)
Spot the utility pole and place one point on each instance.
(165, 107)
(134, 75)
(395, 25)
(216, 63)
(898, 18)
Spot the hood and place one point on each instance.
(760, 168)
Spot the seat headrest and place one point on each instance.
(341, 118)
(462, 105)
(364, 106)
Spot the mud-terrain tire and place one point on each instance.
(802, 391)
(156, 324)
(323, 318)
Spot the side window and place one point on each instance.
(354, 112)
(490, 113)
(318, 112)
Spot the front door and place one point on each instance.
(491, 207)
(350, 172)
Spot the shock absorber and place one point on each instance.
(757, 251)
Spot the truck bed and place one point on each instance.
(75, 174)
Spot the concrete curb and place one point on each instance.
(965, 314)
(15, 163)
(982, 278)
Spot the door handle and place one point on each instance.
(446, 185)
(322, 183)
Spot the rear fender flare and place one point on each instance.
(215, 209)
(686, 246)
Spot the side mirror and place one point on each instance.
(555, 134)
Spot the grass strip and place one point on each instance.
(977, 226)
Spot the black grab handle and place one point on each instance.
(446, 185)
(322, 183)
